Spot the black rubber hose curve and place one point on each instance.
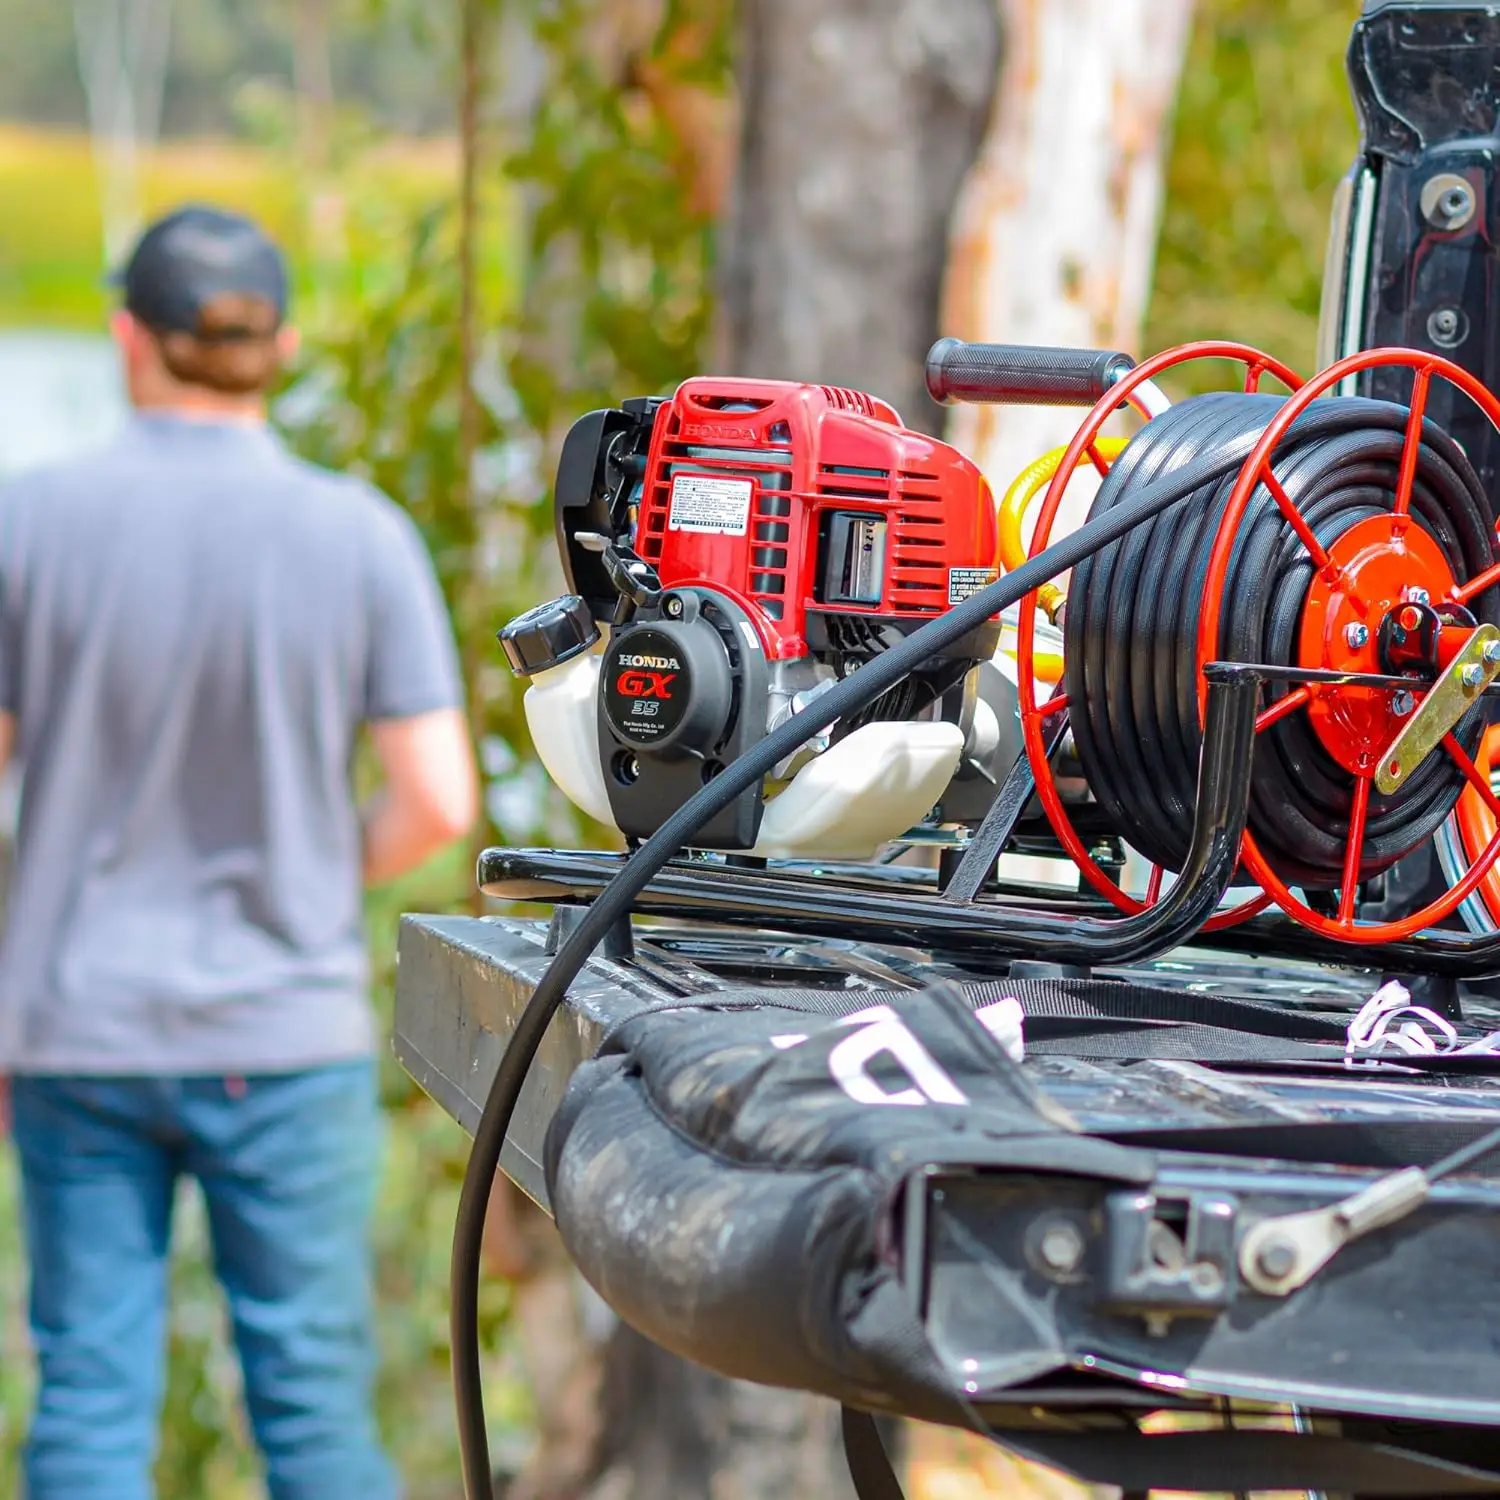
(1131, 629)
(1203, 464)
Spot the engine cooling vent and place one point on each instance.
(846, 400)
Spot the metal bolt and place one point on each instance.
(1277, 1258)
(1402, 704)
(1061, 1247)
(673, 607)
(1447, 201)
(1206, 1279)
(1357, 636)
(1492, 654)
(1472, 677)
(1454, 202)
(1448, 327)
(1419, 596)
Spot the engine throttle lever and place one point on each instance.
(1022, 374)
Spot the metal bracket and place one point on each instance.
(1169, 1255)
(1450, 698)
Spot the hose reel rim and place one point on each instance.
(1257, 471)
(1034, 715)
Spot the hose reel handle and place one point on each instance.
(1021, 374)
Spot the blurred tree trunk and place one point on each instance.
(861, 123)
(1056, 237)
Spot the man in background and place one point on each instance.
(194, 626)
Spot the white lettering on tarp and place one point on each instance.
(883, 1031)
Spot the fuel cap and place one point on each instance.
(548, 635)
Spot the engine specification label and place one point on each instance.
(965, 581)
(709, 505)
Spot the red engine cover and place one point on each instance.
(748, 484)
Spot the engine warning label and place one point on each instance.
(962, 582)
(711, 506)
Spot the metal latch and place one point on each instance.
(1170, 1255)
(1277, 1256)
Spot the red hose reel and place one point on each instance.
(1382, 583)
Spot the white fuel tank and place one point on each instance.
(866, 790)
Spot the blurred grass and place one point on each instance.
(51, 272)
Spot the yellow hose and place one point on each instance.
(1012, 513)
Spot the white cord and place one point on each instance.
(1149, 399)
(1389, 1021)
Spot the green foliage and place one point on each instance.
(1264, 131)
(619, 263)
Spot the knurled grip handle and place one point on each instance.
(1021, 374)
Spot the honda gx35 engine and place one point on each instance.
(732, 552)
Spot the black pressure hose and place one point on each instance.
(1203, 467)
(1131, 630)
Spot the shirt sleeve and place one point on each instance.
(413, 664)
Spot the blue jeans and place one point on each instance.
(288, 1168)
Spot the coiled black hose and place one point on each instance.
(1131, 628)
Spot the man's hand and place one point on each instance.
(431, 794)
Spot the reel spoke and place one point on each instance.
(1413, 446)
(1354, 855)
(1099, 461)
(1253, 373)
(1475, 777)
(1476, 585)
(1054, 705)
(1153, 886)
(1299, 697)
(1298, 522)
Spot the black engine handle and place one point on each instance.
(1021, 374)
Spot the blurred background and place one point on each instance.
(577, 201)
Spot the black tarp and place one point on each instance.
(734, 1190)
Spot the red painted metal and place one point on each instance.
(1375, 566)
(791, 455)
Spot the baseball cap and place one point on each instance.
(192, 256)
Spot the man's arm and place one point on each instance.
(430, 795)
(7, 739)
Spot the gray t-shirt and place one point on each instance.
(193, 625)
